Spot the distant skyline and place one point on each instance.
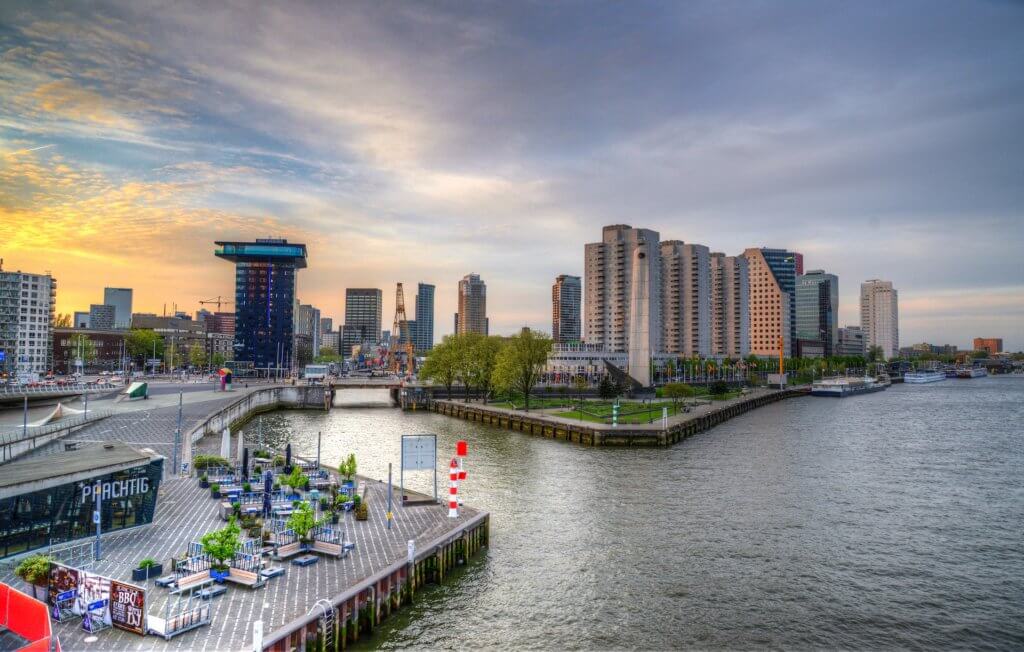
(424, 141)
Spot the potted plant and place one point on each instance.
(215, 490)
(236, 507)
(204, 481)
(347, 468)
(147, 568)
(258, 470)
(246, 487)
(35, 571)
(362, 512)
(220, 545)
(277, 486)
(325, 504)
(301, 522)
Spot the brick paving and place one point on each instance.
(185, 512)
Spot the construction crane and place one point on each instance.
(400, 331)
(216, 301)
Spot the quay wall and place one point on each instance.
(334, 624)
(594, 434)
(268, 399)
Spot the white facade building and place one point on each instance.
(730, 306)
(27, 303)
(686, 307)
(879, 316)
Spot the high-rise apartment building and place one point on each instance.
(472, 316)
(566, 296)
(608, 278)
(730, 306)
(265, 288)
(772, 281)
(27, 304)
(102, 316)
(326, 325)
(121, 299)
(685, 299)
(851, 341)
(423, 331)
(817, 313)
(879, 316)
(307, 324)
(362, 318)
(989, 345)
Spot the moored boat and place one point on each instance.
(971, 372)
(926, 376)
(848, 386)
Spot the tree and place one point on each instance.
(606, 389)
(217, 360)
(347, 467)
(442, 364)
(676, 391)
(197, 355)
(302, 521)
(221, 544)
(463, 345)
(327, 352)
(62, 320)
(484, 355)
(580, 382)
(296, 479)
(144, 343)
(520, 362)
(82, 347)
(876, 354)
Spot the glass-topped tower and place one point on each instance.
(265, 275)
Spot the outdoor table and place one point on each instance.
(275, 571)
(165, 581)
(305, 560)
(213, 591)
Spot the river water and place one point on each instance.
(889, 520)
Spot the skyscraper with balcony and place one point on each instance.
(817, 314)
(685, 299)
(265, 287)
(423, 331)
(27, 304)
(608, 275)
(772, 274)
(879, 316)
(121, 299)
(730, 306)
(362, 318)
(472, 315)
(566, 296)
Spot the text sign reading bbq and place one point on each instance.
(127, 607)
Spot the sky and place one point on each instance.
(422, 141)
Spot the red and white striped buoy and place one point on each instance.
(453, 489)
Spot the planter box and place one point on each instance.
(39, 592)
(143, 574)
(215, 494)
(334, 518)
(204, 484)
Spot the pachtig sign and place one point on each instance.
(115, 489)
(127, 607)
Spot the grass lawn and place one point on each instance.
(634, 413)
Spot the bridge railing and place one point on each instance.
(15, 441)
(8, 391)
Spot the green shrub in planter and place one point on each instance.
(215, 490)
(277, 486)
(246, 487)
(206, 461)
(34, 570)
(279, 460)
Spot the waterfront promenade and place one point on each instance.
(374, 573)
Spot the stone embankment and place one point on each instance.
(596, 434)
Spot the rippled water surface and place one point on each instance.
(887, 520)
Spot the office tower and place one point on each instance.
(472, 316)
(685, 299)
(607, 279)
(730, 306)
(27, 303)
(989, 345)
(330, 340)
(121, 299)
(265, 287)
(879, 316)
(640, 317)
(423, 330)
(773, 302)
(817, 312)
(102, 316)
(81, 319)
(851, 341)
(566, 295)
(326, 325)
(307, 324)
(772, 281)
(362, 318)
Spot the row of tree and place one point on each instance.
(485, 364)
(142, 344)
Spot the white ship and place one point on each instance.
(923, 376)
(847, 386)
(971, 372)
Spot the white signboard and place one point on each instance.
(419, 452)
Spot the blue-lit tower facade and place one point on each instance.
(265, 279)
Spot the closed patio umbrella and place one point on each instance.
(268, 487)
(245, 465)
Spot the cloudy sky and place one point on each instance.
(420, 142)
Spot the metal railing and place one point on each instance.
(21, 439)
(49, 390)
